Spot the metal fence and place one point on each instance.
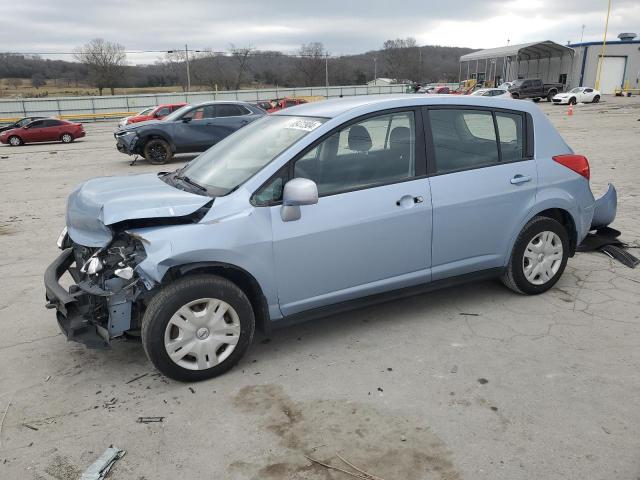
(93, 107)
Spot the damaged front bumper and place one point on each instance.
(87, 313)
(605, 209)
(127, 142)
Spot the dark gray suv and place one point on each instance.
(192, 128)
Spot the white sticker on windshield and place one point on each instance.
(306, 125)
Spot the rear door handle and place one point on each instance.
(518, 179)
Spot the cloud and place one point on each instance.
(344, 27)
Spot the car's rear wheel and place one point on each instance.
(197, 327)
(550, 96)
(515, 95)
(538, 258)
(66, 138)
(573, 101)
(596, 99)
(15, 141)
(157, 151)
(536, 100)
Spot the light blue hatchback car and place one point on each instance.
(317, 209)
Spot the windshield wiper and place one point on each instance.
(186, 179)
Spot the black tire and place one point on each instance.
(596, 99)
(15, 141)
(66, 138)
(515, 95)
(179, 293)
(573, 101)
(550, 95)
(535, 100)
(514, 276)
(157, 151)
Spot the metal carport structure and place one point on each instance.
(546, 60)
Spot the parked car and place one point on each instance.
(578, 95)
(19, 123)
(188, 129)
(282, 103)
(492, 92)
(265, 105)
(151, 113)
(318, 209)
(535, 89)
(43, 130)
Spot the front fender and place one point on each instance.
(241, 241)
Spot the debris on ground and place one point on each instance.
(150, 419)
(483, 381)
(99, 469)
(469, 314)
(30, 427)
(192, 390)
(137, 378)
(454, 369)
(359, 473)
(606, 240)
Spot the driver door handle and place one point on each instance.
(518, 179)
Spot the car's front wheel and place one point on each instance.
(197, 327)
(573, 101)
(538, 258)
(15, 141)
(157, 151)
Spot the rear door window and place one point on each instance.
(467, 139)
(228, 110)
(163, 112)
(463, 139)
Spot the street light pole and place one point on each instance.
(375, 69)
(186, 53)
(326, 72)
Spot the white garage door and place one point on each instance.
(612, 73)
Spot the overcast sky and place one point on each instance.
(344, 26)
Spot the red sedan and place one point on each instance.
(43, 130)
(152, 113)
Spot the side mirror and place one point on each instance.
(297, 192)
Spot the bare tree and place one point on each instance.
(105, 62)
(241, 60)
(38, 80)
(310, 63)
(175, 65)
(402, 57)
(15, 82)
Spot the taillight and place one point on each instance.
(577, 163)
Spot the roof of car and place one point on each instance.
(370, 103)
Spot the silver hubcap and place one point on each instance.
(542, 258)
(202, 334)
(66, 138)
(14, 141)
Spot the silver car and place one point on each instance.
(317, 209)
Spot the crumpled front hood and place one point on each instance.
(100, 202)
(136, 125)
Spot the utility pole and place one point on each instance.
(375, 69)
(186, 56)
(604, 47)
(326, 72)
(582, 33)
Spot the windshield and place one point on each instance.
(23, 122)
(238, 157)
(176, 114)
(575, 90)
(146, 111)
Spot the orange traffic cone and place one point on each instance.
(570, 111)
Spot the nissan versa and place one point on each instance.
(316, 209)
